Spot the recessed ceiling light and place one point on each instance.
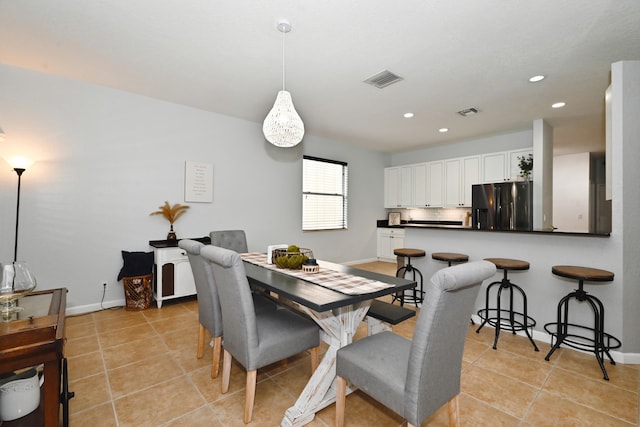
(536, 79)
(408, 115)
(443, 130)
(558, 105)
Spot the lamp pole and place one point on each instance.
(19, 171)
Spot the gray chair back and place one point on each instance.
(236, 303)
(209, 312)
(235, 240)
(435, 358)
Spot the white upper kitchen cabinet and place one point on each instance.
(494, 167)
(460, 175)
(428, 184)
(435, 184)
(398, 186)
(452, 182)
(420, 185)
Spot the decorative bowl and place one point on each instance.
(19, 394)
(292, 260)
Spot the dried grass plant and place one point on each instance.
(171, 213)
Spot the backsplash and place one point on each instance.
(433, 214)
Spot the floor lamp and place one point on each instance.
(19, 171)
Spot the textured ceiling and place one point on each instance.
(226, 57)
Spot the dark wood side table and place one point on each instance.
(35, 336)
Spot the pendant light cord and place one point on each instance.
(283, 62)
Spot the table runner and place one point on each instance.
(335, 280)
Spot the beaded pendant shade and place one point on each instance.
(283, 126)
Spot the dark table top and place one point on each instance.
(314, 296)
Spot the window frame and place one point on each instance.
(343, 195)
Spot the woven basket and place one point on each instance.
(138, 292)
(280, 252)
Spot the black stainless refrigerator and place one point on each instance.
(502, 206)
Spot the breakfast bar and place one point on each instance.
(543, 250)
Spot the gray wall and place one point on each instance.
(105, 159)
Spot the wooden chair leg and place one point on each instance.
(217, 349)
(454, 412)
(341, 397)
(315, 357)
(201, 336)
(226, 372)
(250, 395)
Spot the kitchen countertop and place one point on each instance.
(457, 225)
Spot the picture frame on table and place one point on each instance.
(394, 218)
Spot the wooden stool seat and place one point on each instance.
(508, 263)
(582, 273)
(409, 252)
(450, 257)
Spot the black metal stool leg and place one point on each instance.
(525, 314)
(66, 395)
(399, 296)
(562, 328)
(418, 294)
(485, 317)
(509, 320)
(561, 332)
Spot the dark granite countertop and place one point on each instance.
(457, 225)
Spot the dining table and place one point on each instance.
(337, 299)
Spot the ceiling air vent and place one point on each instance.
(383, 79)
(468, 111)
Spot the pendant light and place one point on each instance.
(283, 126)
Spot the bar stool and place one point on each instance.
(574, 335)
(451, 257)
(507, 318)
(418, 292)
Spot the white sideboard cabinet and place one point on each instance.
(172, 276)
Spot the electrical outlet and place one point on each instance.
(104, 285)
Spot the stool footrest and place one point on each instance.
(519, 322)
(389, 313)
(577, 339)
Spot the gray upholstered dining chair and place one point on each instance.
(209, 312)
(236, 240)
(416, 377)
(255, 339)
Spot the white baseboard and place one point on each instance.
(360, 261)
(83, 309)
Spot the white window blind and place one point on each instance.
(324, 194)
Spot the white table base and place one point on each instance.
(339, 327)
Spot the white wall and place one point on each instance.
(544, 290)
(571, 192)
(491, 144)
(105, 159)
(625, 134)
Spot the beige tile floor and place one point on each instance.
(139, 369)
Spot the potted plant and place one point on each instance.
(171, 214)
(526, 166)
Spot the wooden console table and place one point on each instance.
(32, 337)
